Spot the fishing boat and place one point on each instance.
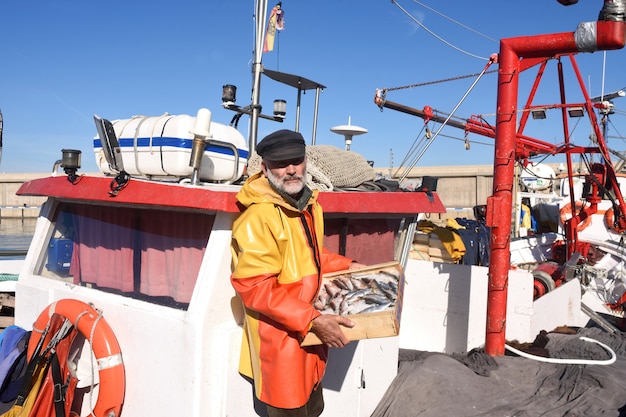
(588, 220)
(576, 272)
(145, 248)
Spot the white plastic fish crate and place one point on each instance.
(382, 323)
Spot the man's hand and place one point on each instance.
(327, 328)
(356, 265)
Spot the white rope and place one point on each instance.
(93, 331)
(91, 334)
(609, 361)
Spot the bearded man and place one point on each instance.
(278, 262)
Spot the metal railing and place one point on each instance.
(23, 209)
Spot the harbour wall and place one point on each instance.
(460, 188)
(14, 206)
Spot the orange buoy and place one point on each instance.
(104, 345)
(566, 213)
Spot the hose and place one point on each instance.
(569, 361)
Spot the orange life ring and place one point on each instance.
(566, 213)
(104, 345)
(609, 218)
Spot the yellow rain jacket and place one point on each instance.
(278, 262)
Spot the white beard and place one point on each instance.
(291, 188)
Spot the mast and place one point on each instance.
(257, 69)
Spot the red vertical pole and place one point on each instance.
(500, 203)
(610, 35)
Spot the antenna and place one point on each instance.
(348, 131)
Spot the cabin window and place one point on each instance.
(148, 254)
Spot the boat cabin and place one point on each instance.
(154, 258)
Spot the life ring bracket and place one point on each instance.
(104, 345)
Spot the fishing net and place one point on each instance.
(435, 384)
(329, 167)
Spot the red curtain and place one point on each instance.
(171, 252)
(104, 247)
(156, 253)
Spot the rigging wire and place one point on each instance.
(417, 143)
(438, 81)
(456, 22)
(474, 142)
(437, 36)
(414, 153)
(610, 122)
(432, 138)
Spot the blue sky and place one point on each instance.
(64, 60)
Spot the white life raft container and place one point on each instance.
(160, 146)
(537, 177)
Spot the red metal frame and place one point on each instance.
(517, 55)
(513, 52)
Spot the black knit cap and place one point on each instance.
(282, 145)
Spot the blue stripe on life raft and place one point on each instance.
(171, 142)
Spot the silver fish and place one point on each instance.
(376, 299)
(377, 307)
(358, 293)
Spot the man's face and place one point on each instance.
(287, 176)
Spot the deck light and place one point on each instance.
(280, 108)
(70, 162)
(229, 94)
(538, 113)
(576, 112)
